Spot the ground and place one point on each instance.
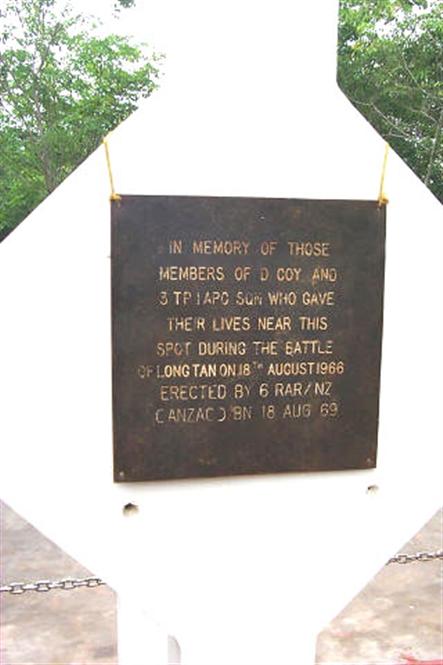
(398, 615)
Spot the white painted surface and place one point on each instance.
(140, 639)
(240, 570)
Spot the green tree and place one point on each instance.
(61, 90)
(390, 65)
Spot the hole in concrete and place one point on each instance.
(130, 509)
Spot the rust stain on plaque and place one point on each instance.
(246, 335)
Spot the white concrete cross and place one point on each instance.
(241, 570)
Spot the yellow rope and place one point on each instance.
(114, 196)
(382, 198)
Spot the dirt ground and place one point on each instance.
(396, 618)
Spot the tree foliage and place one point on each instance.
(61, 90)
(390, 65)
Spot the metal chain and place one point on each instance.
(418, 556)
(69, 583)
(66, 584)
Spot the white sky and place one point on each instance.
(150, 21)
(154, 21)
(226, 36)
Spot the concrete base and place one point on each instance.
(398, 615)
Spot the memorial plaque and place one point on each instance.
(246, 335)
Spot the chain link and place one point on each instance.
(43, 586)
(418, 556)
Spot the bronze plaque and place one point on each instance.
(246, 335)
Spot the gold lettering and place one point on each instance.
(274, 323)
(166, 349)
(175, 246)
(238, 412)
(288, 389)
(289, 274)
(308, 248)
(182, 298)
(241, 390)
(191, 273)
(192, 392)
(227, 247)
(324, 275)
(222, 348)
(233, 323)
(297, 410)
(306, 368)
(318, 298)
(212, 298)
(185, 323)
(313, 322)
(308, 346)
(190, 415)
(267, 348)
(300, 389)
(196, 379)
(248, 298)
(282, 298)
(195, 370)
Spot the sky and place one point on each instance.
(231, 33)
(149, 21)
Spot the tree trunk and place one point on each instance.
(435, 144)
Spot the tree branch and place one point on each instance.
(435, 143)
